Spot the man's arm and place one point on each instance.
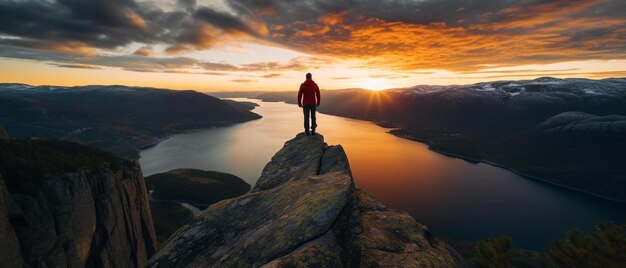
(317, 94)
(300, 96)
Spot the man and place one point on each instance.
(309, 99)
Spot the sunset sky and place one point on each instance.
(269, 44)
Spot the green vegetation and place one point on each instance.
(27, 161)
(606, 247)
(168, 216)
(116, 119)
(201, 188)
(3, 133)
(493, 253)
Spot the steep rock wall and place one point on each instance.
(95, 219)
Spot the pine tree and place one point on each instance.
(604, 248)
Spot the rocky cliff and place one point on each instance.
(95, 216)
(305, 211)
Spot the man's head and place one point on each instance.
(309, 76)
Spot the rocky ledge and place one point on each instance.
(305, 211)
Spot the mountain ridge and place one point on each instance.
(118, 119)
(501, 122)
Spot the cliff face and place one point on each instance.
(305, 211)
(9, 247)
(94, 219)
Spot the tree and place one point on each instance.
(604, 248)
(493, 253)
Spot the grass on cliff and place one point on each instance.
(201, 188)
(168, 217)
(31, 160)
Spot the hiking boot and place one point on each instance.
(307, 132)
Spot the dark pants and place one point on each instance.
(309, 109)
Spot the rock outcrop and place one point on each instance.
(95, 218)
(305, 211)
(9, 246)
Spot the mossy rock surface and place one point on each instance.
(300, 157)
(256, 228)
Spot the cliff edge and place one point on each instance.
(71, 206)
(305, 211)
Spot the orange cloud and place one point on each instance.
(332, 18)
(136, 20)
(70, 47)
(543, 33)
(144, 51)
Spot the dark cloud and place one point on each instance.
(224, 21)
(78, 66)
(396, 34)
(140, 63)
(446, 34)
(108, 24)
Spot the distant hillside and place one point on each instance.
(198, 187)
(118, 119)
(570, 132)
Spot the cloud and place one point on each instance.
(272, 75)
(395, 35)
(110, 24)
(450, 35)
(144, 51)
(138, 62)
(78, 66)
(243, 80)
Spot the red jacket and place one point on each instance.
(311, 93)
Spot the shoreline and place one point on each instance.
(156, 140)
(431, 146)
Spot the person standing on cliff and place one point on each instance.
(309, 100)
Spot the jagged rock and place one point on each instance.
(9, 246)
(387, 237)
(300, 157)
(95, 218)
(305, 212)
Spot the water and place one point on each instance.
(453, 197)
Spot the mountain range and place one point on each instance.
(118, 119)
(570, 132)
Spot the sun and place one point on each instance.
(374, 84)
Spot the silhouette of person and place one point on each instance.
(309, 100)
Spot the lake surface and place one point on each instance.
(453, 197)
